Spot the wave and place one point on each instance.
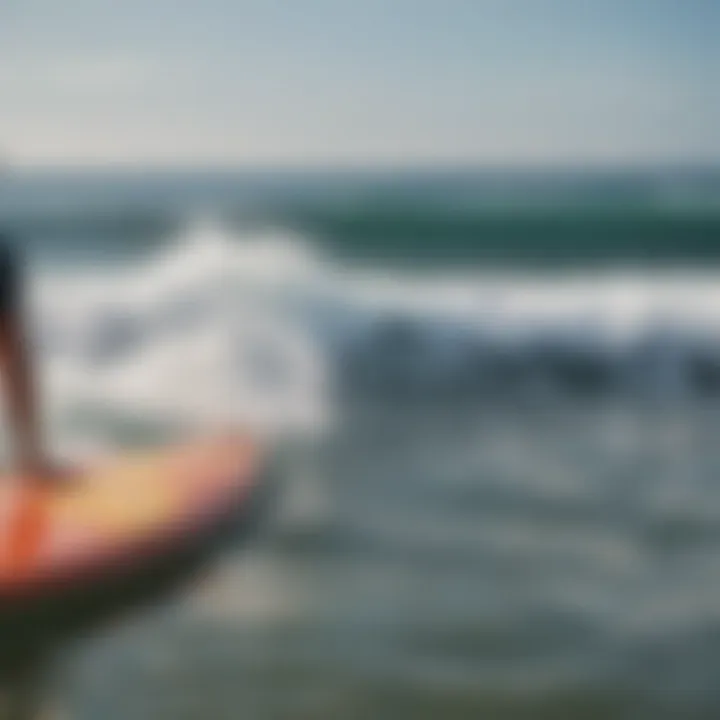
(266, 329)
(198, 335)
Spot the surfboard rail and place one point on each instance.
(121, 535)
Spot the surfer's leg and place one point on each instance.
(16, 365)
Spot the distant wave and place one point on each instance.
(545, 237)
(434, 233)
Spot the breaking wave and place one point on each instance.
(263, 328)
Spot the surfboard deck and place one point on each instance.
(110, 536)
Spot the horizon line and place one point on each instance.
(669, 164)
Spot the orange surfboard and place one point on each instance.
(110, 536)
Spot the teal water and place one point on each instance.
(549, 562)
(496, 396)
(436, 218)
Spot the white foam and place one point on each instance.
(228, 329)
(196, 336)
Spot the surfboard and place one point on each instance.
(109, 536)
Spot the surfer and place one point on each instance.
(16, 369)
(21, 693)
(146, 530)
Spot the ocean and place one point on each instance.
(495, 396)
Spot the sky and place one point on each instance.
(208, 82)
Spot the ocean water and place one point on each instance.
(496, 398)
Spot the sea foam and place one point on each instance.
(264, 329)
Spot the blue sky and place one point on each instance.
(360, 82)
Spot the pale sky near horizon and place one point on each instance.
(360, 82)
